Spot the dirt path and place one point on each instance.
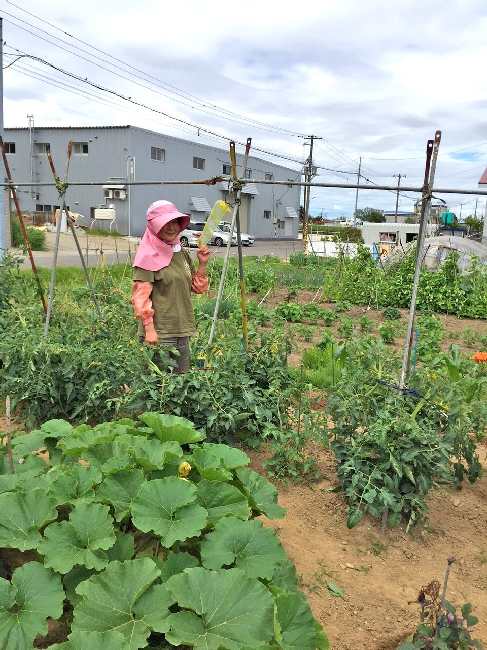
(381, 573)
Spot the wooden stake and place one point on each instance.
(9, 435)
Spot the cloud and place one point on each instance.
(373, 80)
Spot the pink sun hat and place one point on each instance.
(154, 254)
(161, 212)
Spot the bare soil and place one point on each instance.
(381, 574)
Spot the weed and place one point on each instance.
(366, 324)
(387, 332)
(377, 547)
(392, 313)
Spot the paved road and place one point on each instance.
(120, 249)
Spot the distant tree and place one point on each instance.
(475, 224)
(371, 214)
(350, 234)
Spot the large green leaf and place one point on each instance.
(23, 513)
(286, 579)
(166, 507)
(75, 484)
(254, 549)
(93, 641)
(177, 563)
(81, 540)
(232, 458)
(227, 609)
(108, 457)
(118, 489)
(295, 623)
(27, 443)
(154, 454)
(221, 500)
(210, 465)
(261, 494)
(77, 444)
(172, 427)
(57, 429)
(110, 601)
(34, 594)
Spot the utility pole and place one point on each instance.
(398, 176)
(307, 190)
(476, 201)
(356, 194)
(3, 215)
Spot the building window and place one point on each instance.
(42, 147)
(269, 176)
(80, 148)
(157, 154)
(198, 163)
(280, 225)
(9, 147)
(227, 170)
(267, 214)
(43, 208)
(248, 173)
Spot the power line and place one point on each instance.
(155, 110)
(203, 106)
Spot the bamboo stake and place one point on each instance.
(9, 435)
(227, 252)
(22, 225)
(62, 186)
(431, 149)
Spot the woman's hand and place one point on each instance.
(203, 255)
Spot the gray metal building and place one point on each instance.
(119, 155)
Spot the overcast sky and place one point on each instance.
(373, 79)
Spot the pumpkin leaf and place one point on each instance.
(34, 594)
(221, 609)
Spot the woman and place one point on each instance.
(164, 277)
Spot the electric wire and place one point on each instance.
(149, 108)
(204, 106)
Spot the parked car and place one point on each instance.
(189, 237)
(247, 240)
(221, 236)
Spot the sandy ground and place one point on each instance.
(381, 573)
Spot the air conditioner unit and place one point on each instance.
(119, 194)
(108, 194)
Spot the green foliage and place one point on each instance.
(289, 311)
(349, 234)
(366, 324)
(154, 539)
(387, 332)
(89, 369)
(392, 313)
(441, 626)
(391, 447)
(36, 238)
(290, 458)
(371, 214)
(475, 224)
(320, 367)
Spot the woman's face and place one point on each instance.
(169, 232)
